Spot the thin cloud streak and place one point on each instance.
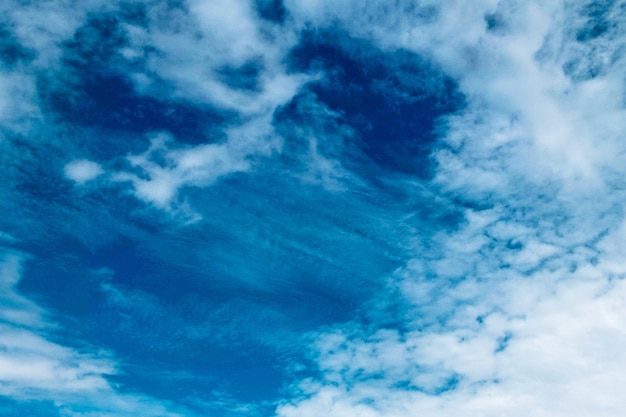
(32, 367)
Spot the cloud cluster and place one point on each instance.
(219, 57)
(231, 60)
(519, 310)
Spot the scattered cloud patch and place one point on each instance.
(34, 368)
(81, 171)
(514, 312)
(163, 170)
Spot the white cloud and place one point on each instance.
(43, 26)
(182, 53)
(81, 171)
(519, 311)
(164, 170)
(189, 49)
(195, 46)
(34, 368)
(563, 357)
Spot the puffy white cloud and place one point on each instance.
(164, 170)
(562, 357)
(520, 310)
(81, 171)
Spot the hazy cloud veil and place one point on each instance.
(312, 208)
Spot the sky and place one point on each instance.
(304, 208)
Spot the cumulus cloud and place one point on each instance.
(519, 310)
(164, 170)
(555, 354)
(81, 171)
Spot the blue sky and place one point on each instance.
(286, 208)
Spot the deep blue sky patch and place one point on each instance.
(392, 100)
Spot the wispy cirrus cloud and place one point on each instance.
(33, 367)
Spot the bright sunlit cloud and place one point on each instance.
(82, 171)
